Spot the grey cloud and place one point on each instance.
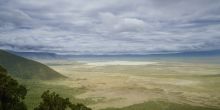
(114, 26)
(14, 17)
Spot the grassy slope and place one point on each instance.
(37, 87)
(161, 105)
(25, 68)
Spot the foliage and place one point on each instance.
(11, 93)
(79, 107)
(37, 87)
(52, 101)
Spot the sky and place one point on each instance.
(79, 27)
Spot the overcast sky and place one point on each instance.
(109, 26)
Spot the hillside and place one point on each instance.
(25, 68)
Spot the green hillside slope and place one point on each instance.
(24, 68)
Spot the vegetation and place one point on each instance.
(162, 105)
(12, 97)
(11, 93)
(178, 84)
(192, 87)
(52, 101)
(25, 68)
(37, 87)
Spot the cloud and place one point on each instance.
(109, 27)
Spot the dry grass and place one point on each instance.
(124, 85)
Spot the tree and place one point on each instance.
(11, 93)
(52, 101)
(79, 107)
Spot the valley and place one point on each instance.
(114, 85)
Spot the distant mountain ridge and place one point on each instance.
(25, 68)
(45, 55)
(36, 55)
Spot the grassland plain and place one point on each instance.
(156, 86)
(162, 105)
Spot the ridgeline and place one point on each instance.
(25, 68)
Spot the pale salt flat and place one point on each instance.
(107, 63)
